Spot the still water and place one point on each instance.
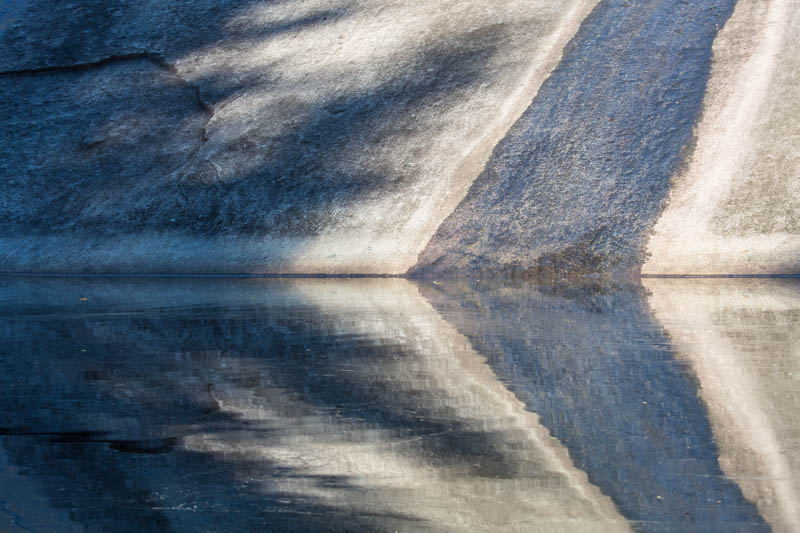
(193, 405)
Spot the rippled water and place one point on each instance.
(391, 405)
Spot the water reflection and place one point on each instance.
(364, 405)
(601, 374)
(742, 341)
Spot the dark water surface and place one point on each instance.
(390, 405)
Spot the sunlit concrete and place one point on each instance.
(443, 378)
(741, 339)
(735, 208)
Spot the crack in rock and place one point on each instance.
(153, 57)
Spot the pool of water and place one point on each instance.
(393, 405)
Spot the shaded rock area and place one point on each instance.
(252, 136)
(72, 124)
(579, 180)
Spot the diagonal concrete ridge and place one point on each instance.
(578, 182)
(734, 209)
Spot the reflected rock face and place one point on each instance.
(380, 405)
(601, 375)
(740, 339)
(183, 406)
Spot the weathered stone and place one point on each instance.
(315, 137)
(579, 181)
(735, 209)
(305, 137)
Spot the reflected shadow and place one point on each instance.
(373, 404)
(278, 405)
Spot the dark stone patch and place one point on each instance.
(579, 180)
(75, 140)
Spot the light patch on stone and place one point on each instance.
(735, 207)
(351, 55)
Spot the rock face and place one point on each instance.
(390, 137)
(301, 137)
(736, 207)
(579, 180)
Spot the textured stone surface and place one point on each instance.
(580, 178)
(306, 136)
(373, 137)
(736, 207)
